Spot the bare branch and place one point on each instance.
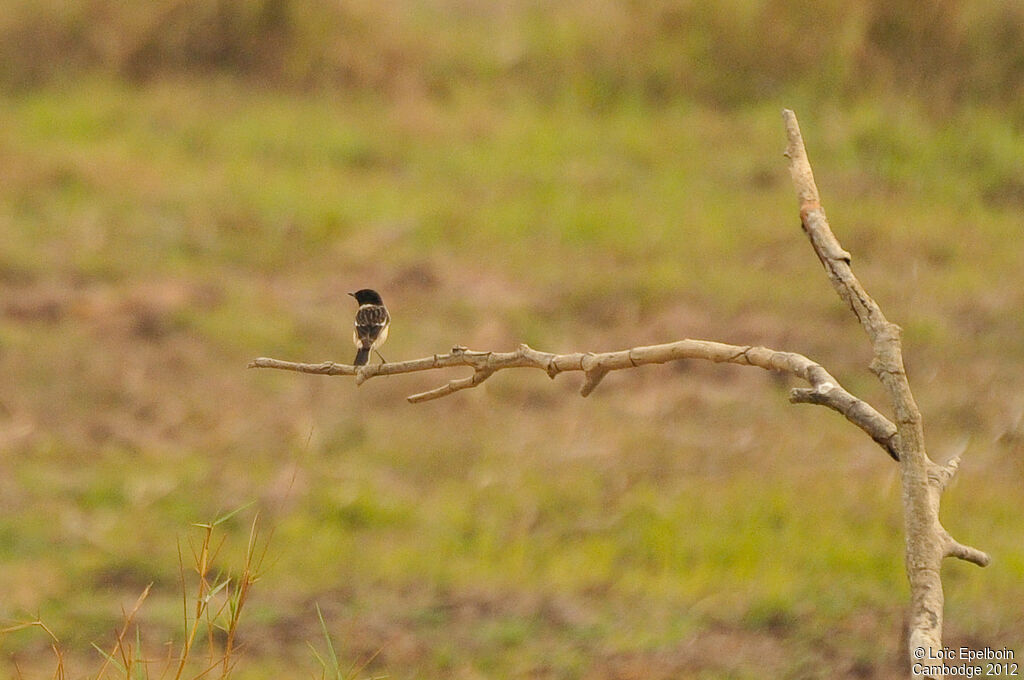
(857, 411)
(824, 389)
(923, 481)
(967, 553)
(479, 375)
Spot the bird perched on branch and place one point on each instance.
(371, 327)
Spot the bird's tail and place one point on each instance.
(362, 357)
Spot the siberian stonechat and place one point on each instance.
(371, 327)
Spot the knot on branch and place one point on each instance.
(809, 206)
(593, 373)
(941, 475)
(886, 365)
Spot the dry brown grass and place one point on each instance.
(610, 51)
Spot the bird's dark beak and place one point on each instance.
(352, 294)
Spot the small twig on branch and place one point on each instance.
(824, 389)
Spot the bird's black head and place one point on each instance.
(367, 296)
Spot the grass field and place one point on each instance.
(684, 521)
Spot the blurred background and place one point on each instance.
(188, 184)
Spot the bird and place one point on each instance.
(371, 326)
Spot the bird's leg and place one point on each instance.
(382, 359)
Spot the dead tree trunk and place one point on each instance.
(923, 480)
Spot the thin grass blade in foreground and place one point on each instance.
(330, 667)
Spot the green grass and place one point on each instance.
(684, 521)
